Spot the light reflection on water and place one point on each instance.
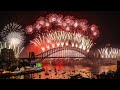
(64, 72)
(60, 71)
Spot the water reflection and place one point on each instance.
(63, 69)
(64, 72)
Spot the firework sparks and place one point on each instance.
(109, 52)
(55, 22)
(61, 37)
(13, 34)
(55, 31)
(15, 39)
(29, 29)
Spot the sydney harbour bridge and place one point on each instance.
(66, 37)
(72, 55)
(59, 37)
(59, 41)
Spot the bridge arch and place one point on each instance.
(48, 54)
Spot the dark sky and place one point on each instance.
(108, 22)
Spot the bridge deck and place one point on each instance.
(52, 57)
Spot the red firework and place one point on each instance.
(57, 22)
(29, 29)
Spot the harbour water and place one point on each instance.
(64, 72)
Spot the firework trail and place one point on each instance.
(62, 38)
(109, 52)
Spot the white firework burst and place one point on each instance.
(15, 39)
(109, 52)
(17, 50)
(13, 34)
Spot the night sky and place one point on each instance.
(108, 22)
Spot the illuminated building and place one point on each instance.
(7, 57)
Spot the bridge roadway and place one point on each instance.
(68, 57)
(51, 57)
